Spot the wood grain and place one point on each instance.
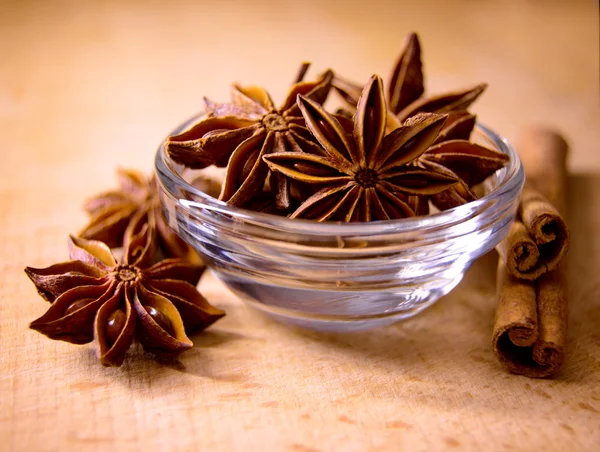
(87, 86)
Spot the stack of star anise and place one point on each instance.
(384, 157)
(387, 155)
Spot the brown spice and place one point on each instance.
(239, 133)
(531, 315)
(112, 212)
(94, 296)
(366, 175)
(538, 240)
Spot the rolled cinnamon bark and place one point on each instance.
(538, 239)
(531, 315)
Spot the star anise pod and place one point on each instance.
(240, 133)
(112, 211)
(469, 162)
(366, 176)
(94, 296)
(406, 88)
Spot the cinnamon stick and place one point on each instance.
(531, 314)
(538, 239)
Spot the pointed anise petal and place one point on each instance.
(443, 103)
(298, 143)
(109, 224)
(406, 82)
(176, 269)
(304, 140)
(350, 202)
(104, 200)
(209, 142)
(417, 181)
(469, 161)
(114, 327)
(407, 143)
(196, 312)
(280, 183)
(328, 132)
(250, 112)
(304, 167)
(91, 252)
(342, 205)
(139, 240)
(246, 170)
(160, 328)
(458, 127)
(317, 91)
(349, 91)
(318, 206)
(252, 97)
(302, 70)
(346, 120)
(71, 317)
(369, 121)
(387, 205)
(455, 196)
(367, 204)
(53, 281)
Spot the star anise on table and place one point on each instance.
(367, 175)
(405, 90)
(96, 296)
(240, 133)
(112, 211)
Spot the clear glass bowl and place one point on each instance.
(335, 276)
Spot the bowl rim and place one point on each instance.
(511, 183)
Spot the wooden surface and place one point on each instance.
(87, 86)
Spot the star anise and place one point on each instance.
(366, 176)
(112, 211)
(406, 88)
(240, 133)
(93, 295)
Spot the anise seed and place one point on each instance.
(77, 305)
(114, 326)
(162, 320)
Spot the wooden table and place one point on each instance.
(89, 86)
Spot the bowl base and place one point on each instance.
(350, 311)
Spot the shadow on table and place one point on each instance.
(141, 366)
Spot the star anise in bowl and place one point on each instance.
(367, 175)
(238, 134)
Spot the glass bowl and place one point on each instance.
(340, 276)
